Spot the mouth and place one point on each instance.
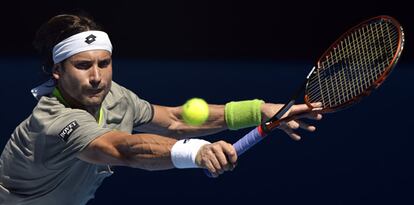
(94, 92)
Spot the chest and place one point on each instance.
(118, 117)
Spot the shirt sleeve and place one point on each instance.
(143, 110)
(68, 135)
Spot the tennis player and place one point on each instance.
(83, 122)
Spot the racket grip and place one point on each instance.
(245, 143)
(248, 140)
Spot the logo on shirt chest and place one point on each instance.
(68, 130)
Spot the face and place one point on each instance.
(84, 79)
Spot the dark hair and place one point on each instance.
(57, 29)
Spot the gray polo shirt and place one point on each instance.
(39, 164)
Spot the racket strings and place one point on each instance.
(354, 64)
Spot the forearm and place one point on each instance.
(144, 151)
(215, 123)
(168, 121)
(149, 152)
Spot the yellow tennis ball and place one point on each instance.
(195, 112)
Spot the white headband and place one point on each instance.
(84, 41)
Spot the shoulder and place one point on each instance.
(51, 106)
(49, 110)
(118, 89)
(119, 93)
(121, 100)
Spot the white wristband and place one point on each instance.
(184, 152)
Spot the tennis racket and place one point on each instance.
(353, 66)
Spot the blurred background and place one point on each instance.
(170, 51)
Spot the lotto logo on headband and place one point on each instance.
(90, 39)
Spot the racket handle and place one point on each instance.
(245, 143)
(249, 140)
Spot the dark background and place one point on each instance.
(206, 29)
(169, 51)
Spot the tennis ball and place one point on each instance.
(195, 111)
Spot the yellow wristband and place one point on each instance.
(243, 114)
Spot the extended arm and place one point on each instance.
(153, 152)
(168, 121)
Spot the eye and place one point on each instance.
(83, 65)
(104, 63)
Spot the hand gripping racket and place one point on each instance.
(353, 66)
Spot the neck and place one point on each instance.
(94, 111)
(68, 101)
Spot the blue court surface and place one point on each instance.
(362, 155)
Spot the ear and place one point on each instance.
(56, 71)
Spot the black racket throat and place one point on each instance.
(275, 121)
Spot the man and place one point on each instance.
(83, 122)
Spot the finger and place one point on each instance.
(214, 161)
(316, 105)
(314, 115)
(221, 158)
(293, 124)
(296, 109)
(231, 156)
(306, 126)
(232, 166)
(227, 156)
(301, 108)
(230, 152)
(211, 169)
(292, 134)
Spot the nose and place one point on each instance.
(95, 76)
